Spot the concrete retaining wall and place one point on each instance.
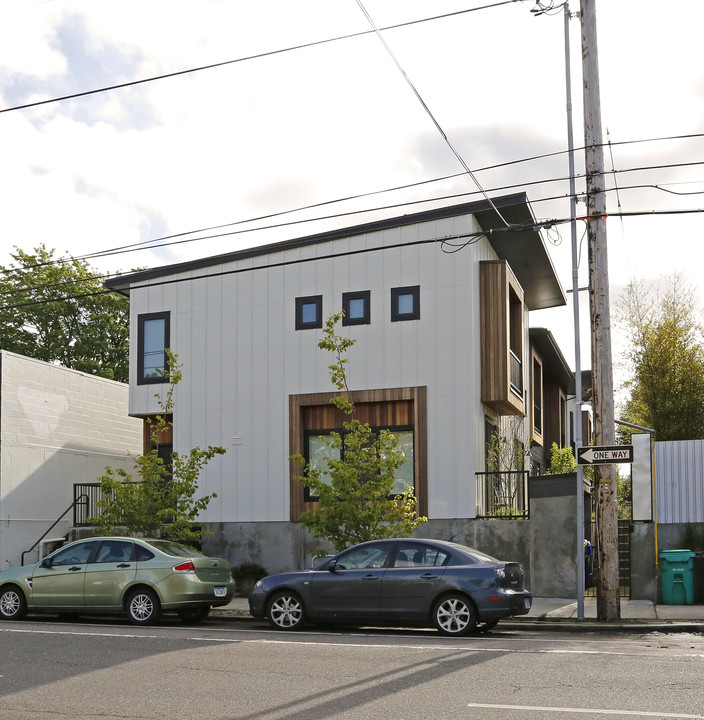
(545, 544)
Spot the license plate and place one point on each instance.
(527, 603)
(220, 591)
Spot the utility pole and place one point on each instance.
(608, 602)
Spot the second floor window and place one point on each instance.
(405, 303)
(309, 312)
(152, 343)
(356, 308)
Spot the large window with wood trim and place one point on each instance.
(401, 410)
(318, 451)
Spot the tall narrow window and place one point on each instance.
(309, 312)
(405, 303)
(152, 342)
(356, 308)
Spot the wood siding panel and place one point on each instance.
(496, 279)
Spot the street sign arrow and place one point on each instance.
(605, 455)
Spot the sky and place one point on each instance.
(292, 117)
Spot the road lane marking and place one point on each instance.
(585, 711)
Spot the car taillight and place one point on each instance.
(184, 567)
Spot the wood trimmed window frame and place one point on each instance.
(537, 399)
(391, 407)
(502, 338)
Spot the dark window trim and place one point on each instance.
(397, 316)
(166, 316)
(307, 496)
(308, 300)
(364, 295)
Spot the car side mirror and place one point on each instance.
(332, 567)
(46, 562)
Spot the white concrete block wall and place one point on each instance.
(57, 427)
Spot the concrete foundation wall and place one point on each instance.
(545, 544)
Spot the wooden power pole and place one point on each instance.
(608, 602)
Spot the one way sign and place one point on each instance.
(591, 455)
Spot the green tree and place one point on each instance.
(157, 499)
(562, 460)
(356, 500)
(665, 356)
(623, 496)
(58, 311)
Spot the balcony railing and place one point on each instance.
(516, 370)
(502, 494)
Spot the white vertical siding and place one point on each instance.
(679, 480)
(243, 358)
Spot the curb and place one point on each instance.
(550, 624)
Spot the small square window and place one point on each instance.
(309, 312)
(405, 303)
(356, 306)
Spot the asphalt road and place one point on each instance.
(222, 670)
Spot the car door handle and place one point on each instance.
(371, 577)
(428, 576)
(74, 568)
(123, 565)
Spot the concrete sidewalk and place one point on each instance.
(563, 613)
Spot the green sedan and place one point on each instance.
(138, 576)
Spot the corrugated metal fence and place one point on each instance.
(679, 479)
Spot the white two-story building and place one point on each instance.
(438, 302)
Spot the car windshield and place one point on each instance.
(172, 548)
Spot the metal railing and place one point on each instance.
(78, 499)
(516, 373)
(89, 508)
(502, 495)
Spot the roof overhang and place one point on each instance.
(554, 364)
(520, 245)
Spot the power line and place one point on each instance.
(151, 243)
(257, 56)
(429, 112)
(123, 250)
(472, 237)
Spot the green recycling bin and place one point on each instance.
(677, 576)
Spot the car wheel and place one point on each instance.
(194, 614)
(143, 607)
(285, 611)
(455, 615)
(487, 626)
(13, 606)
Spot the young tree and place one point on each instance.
(665, 354)
(158, 499)
(58, 311)
(356, 489)
(505, 460)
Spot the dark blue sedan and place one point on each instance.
(397, 582)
